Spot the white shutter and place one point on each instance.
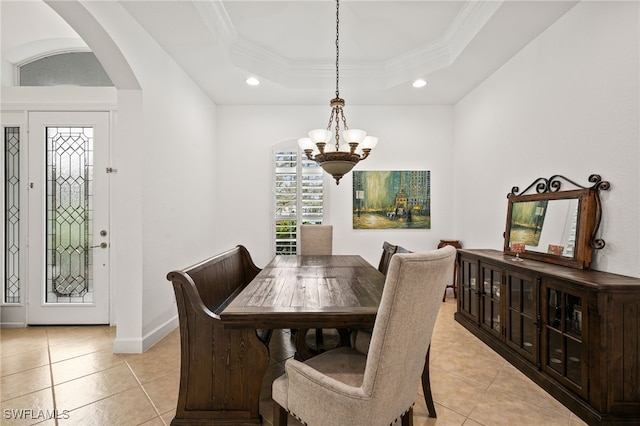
(286, 201)
(299, 197)
(311, 192)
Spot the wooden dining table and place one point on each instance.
(303, 292)
(339, 291)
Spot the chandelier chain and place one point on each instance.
(333, 112)
(337, 46)
(338, 160)
(344, 119)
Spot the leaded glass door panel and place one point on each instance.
(68, 218)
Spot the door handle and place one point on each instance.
(101, 245)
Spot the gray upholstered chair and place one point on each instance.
(344, 386)
(401, 249)
(316, 240)
(388, 250)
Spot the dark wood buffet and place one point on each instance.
(576, 333)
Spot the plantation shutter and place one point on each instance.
(299, 197)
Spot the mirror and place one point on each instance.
(545, 226)
(552, 225)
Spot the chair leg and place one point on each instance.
(453, 286)
(407, 418)
(319, 340)
(455, 283)
(279, 416)
(426, 387)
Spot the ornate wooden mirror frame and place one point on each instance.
(555, 226)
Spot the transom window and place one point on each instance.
(68, 68)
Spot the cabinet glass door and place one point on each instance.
(564, 330)
(468, 291)
(490, 298)
(521, 322)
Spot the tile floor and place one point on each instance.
(71, 373)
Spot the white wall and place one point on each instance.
(411, 138)
(164, 211)
(566, 104)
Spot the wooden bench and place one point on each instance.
(221, 369)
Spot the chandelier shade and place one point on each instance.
(323, 145)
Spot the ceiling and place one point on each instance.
(384, 46)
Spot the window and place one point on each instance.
(299, 196)
(11, 291)
(68, 68)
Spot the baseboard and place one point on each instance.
(140, 345)
(13, 324)
(160, 332)
(127, 346)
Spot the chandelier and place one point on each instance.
(337, 159)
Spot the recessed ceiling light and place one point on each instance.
(252, 81)
(419, 83)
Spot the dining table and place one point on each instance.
(304, 292)
(336, 291)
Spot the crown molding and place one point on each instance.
(422, 61)
(442, 53)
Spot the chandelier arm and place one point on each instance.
(309, 154)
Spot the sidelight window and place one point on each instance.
(11, 293)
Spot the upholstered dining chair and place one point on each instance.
(363, 339)
(388, 250)
(316, 240)
(344, 386)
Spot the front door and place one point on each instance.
(68, 249)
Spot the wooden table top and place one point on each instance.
(309, 292)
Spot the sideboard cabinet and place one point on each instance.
(576, 333)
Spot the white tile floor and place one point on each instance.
(71, 372)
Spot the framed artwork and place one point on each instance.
(392, 199)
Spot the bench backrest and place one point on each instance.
(220, 277)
